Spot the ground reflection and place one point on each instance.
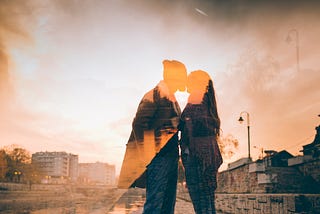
(130, 202)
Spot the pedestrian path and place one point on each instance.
(132, 202)
(183, 207)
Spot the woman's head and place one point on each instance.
(197, 85)
(198, 81)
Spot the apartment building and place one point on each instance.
(56, 167)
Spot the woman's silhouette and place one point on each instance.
(200, 126)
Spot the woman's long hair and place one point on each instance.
(212, 106)
(200, 80)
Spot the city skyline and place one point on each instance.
(72, 74)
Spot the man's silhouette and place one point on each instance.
(151, 158)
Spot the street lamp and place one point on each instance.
(248, 126)
(289, 39)
(17, 174)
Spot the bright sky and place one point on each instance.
(73, 72)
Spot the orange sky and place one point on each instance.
(73, 72)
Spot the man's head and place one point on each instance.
(175, 75)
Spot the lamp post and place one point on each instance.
(248, 126)
(289, 39)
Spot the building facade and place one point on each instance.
(268, 175)
(277, 172)
(97, 173)
(277, 183)
(309, 164)
(56, 167)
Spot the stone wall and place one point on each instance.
(235, 180)
(262, 203)
(240, 180)
(285, 180)
(267, 203)
(250, 179)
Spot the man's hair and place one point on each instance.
(173, 68)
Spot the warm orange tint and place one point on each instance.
(174, 74)
(138, 155)
(4, 79)
(197, 84)
(155, 123)
(76, 73)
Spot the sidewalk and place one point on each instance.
(132, 202)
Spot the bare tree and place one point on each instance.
(228, 146)
(18, 161)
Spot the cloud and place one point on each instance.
(282, 103)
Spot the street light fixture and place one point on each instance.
(248, 126)
(17, 174)
(289, 40)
